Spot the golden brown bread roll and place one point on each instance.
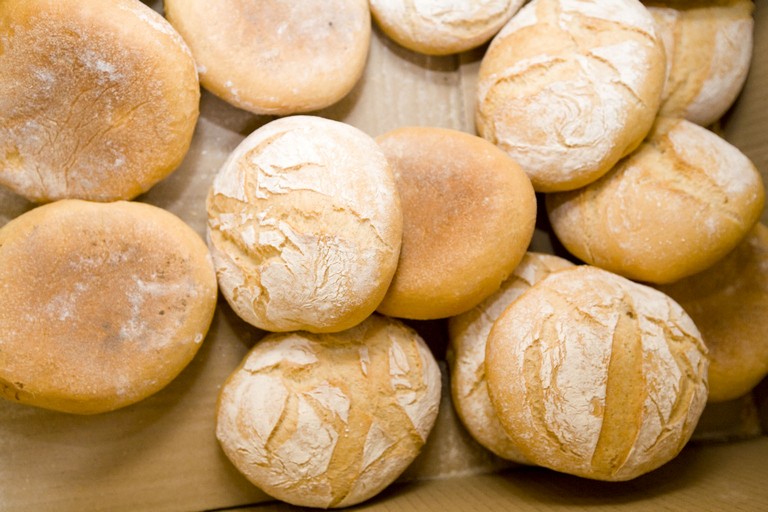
(276, 56)
(469, 213)
(709, 47)
(103, 304)
(569, 87)
(672, 208)
(596, 376)
(329, 420)
(305, 226)
(729, 303)
(100, 99)
(442, 27)
(466, 354)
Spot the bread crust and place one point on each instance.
(728, 302)
(276, 57)
(468, 334)
(567, 88)
(674, 207)
(709, 48)
(103, 304)
(100, 99)
(305, 226)
(469, 213)
(596, 376)
(442, 27)
(330, 420)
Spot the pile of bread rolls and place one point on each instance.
(597, 362)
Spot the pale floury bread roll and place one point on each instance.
(466, 354)
(330, 420)
(305, 226)
(442, 27)
(99, 101)
(596, 376)
(729, 303)
(674, 207)
(709, 48)
(568, 87)
(468, 217)
(451, 451)
(276, 56)
(103, 304)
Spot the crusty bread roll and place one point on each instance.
(442, 27)
(276, 56)
(708, 44)
(466, 354)
(103, 304)
(451, 451)
(100, 99)
(329, 420)
(569, 87)
(469, 213)
(729, 303)
(596, 376)
(305, 226)
(674, 207)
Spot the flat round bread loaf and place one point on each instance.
(729, 303)
(442, 27)
(276, 56)
(330, 420)
(305, 226)
(674, 207)
(596, 376)
(469, 213)
(468, 334)
(568, 87)
(709, 49)
(99, 101)
(103, 304)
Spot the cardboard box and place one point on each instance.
(161, 454)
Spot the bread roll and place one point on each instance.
(709, 47)
(728, 302)
(469, 213)
(100, 99)
(673, 208)
(451, 451)
(102, 304)
(466, 355)
(276, 56)
(329, 420)
(569, 87)
(596, 376)
(442, 27)
(305, 226)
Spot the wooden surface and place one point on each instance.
(161, 454)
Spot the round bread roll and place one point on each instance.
(330, 420)
(468, 334)
(103, 304)
(728, 302)
(451, 451)
(674, 207)
(596, 376)
(100, 99)
(469, 213)
(276, 56)
(568, 87)
(305, 226)
(709, 48)
(442, 27)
